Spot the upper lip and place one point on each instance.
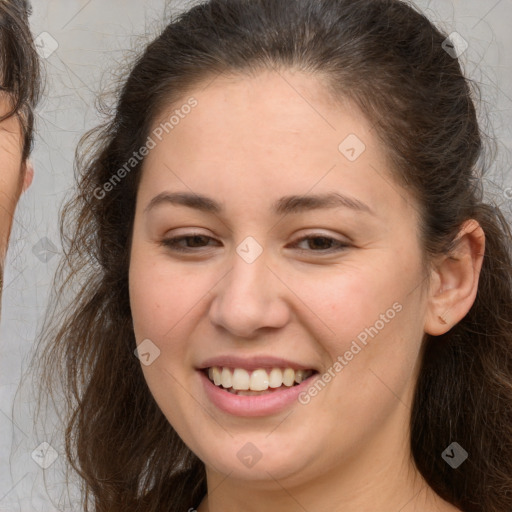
(253, 363)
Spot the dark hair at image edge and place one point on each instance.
(385, 58)
(19, 67)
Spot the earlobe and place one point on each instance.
(29, 175)
(455, 283)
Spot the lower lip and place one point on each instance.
(262, 405)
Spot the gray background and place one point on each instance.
(94, 39)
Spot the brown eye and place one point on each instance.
(322, 243)
(197, 242)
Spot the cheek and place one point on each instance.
(161, 293)
(160, 301)
(373, 322)
(349, 301)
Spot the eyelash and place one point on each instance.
(172, 243)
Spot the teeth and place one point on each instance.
(299, 376)
(258, 380)
(216, 376)
(225, 378)
(241, 379)
(275, 378)
(288, 377)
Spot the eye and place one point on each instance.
(322, 243)
(197, 240)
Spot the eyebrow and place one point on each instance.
(284, 205)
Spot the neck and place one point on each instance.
(379, 475)
(406, 495)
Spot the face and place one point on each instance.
(14, 177)
(332, 286)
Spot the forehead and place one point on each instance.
(259, 108)
(279, 118)
(272, 132)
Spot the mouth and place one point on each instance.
(261, 381)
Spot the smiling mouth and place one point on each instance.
(239, 381)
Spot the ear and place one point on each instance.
(454, 282)
(28, 174)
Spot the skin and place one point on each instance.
(15, 177)
(249, 142)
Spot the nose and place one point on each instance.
(250, 298)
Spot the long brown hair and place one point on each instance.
(389, 60)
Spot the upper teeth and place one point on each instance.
(258, 380)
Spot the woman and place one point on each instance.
(287, 203)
